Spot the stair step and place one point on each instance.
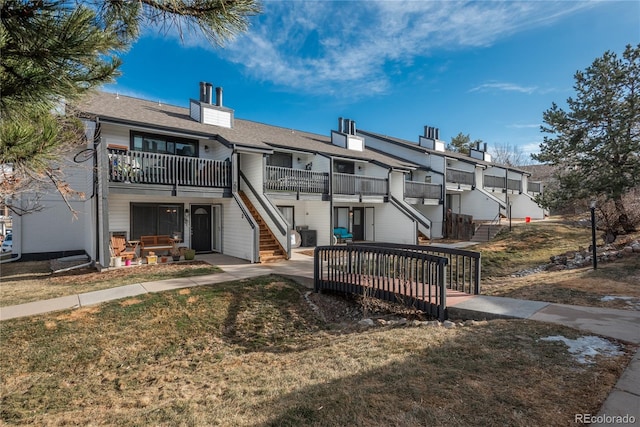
(484, 235)
(269, 248)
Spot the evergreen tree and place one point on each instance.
(462, 143)
(57, 51)
(595, 145)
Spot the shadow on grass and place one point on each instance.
(475, 377)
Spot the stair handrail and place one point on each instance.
(496, 219)
(277, 221)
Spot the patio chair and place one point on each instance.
(121, 248)
(342, 235)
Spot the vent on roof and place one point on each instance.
(346, 136)
(204, 111)
(480, 153)
(431, 139)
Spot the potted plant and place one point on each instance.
(189, 254)
(175, 255)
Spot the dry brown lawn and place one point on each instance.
(582, 286)
(532, 245)
(22, 282)
(253, 353)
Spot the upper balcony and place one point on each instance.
(296, 180)
(281, 179)
(491, 181)
(344, 183)
(422, 190)
(139, 167)
(534, 187)
(456, 176)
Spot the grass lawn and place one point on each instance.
(33, 281)
(253, 353)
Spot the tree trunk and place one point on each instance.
(623, 219)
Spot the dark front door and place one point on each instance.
(201, 228)
(358, 224)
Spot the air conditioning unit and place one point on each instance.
(308, 237)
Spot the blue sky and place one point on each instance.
(487, 69)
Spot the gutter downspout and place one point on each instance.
(96, 187)
(331, 219)
(444, 197)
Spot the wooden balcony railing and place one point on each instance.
(460, 177)
(153, 168)
(422, 190)
(359, 185)
(296, 180)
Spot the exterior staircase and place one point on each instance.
(423, 239)
(270, 248)
(486, 232)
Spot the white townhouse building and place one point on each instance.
(218, 184)
(470, 185)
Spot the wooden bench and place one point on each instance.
(155, 243)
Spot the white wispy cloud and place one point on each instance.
(350, 46)
(505, 87)
(524, 126)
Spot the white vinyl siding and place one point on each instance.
(393, 226)
(55, 228)
(313, 214)
(396, 185)
(237, 234)
(523, 206)
(194, 111)
(114, 135)
(212, 116)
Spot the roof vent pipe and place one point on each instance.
(209, 94)
(340, 124)
(347, 126)
(436, 133)
(485, 147)
(203, 92)
(478, 145)
(352, 127)
(219, 96)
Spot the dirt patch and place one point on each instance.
(348, 309)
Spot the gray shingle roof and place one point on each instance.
(451, 154)
(245, 133)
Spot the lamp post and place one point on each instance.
(593, 235)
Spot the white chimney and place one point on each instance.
(204, 111)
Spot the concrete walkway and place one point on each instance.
(623, 325)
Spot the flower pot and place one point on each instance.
(176, 258)
(189, 254)
(163, 259)
(117, 261)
